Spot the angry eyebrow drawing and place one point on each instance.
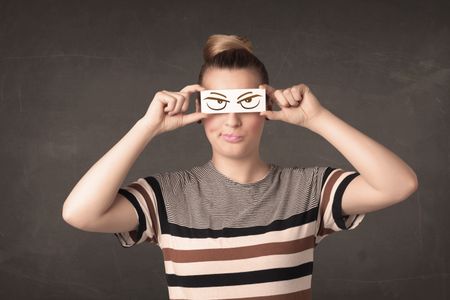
(221, 101)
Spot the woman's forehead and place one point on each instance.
(216, 78)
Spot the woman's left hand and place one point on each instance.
(298, 104)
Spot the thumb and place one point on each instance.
(271, 115)
(267, 87)
(193, 117)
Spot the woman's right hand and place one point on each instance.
(165, 112)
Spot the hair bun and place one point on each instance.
(217, 43)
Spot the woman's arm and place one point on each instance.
(384, 179)
(94, 203)
(96, 191)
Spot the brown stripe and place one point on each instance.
(324, 231)
(300, 295)
(149, 202)
(183, 256)
(327, 231)
(326, 197)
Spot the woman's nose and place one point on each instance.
(233, 119)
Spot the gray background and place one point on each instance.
(76, 75)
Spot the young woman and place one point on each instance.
(237, 226)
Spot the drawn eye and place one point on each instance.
(249, 102)
(216, 103)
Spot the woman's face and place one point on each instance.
(248, 126)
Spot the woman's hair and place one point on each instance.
(232, 52)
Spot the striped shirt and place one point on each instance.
(221, 239)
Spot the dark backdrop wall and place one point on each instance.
(76, 75)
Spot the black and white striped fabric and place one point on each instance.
(222, 239)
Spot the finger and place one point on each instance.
(280, 98)
(192, 88)
(193, 117)
(295, 90)
(172, 109)
(303, 89)
(273, 95)
(272, 115)
(186, 101)
(290, 98)
(268, 88)
(167, 99)
(187, 91)
(179, 103)
(269, 91)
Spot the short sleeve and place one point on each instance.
(142, 197)
(330, 186)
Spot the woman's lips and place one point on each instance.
(231, 138)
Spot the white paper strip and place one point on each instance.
(232, 100)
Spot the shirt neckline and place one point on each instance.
(250, 184)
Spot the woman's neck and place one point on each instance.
(242, 171)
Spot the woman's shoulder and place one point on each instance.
(302, 170)
(179, 176)
(309, 174)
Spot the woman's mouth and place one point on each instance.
(231, 138)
